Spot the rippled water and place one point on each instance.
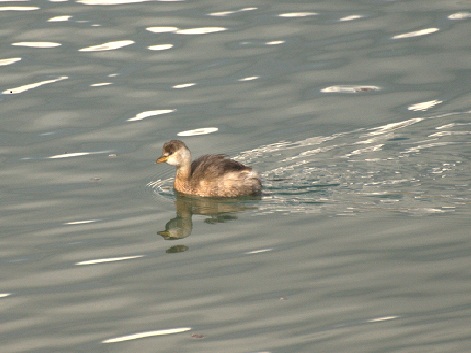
(413, 166)
(417, 166)
(357, 116)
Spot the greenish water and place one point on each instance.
(356, 115)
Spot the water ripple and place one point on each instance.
(407, 166)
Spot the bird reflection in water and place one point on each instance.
(218, 210)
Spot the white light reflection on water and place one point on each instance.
(450, 133)
(38, 45)
(145, 334)
(76, 154)
(158, 47)
(184, 85)
(382, 319)
(82, 222)
(349, 89)
(106, 260)
(100, 84)
(200, 30)
(25, 88)
(108, 46)
(423, 106)
(162, 29)
(350, 18)
(275, 42)
(198, 132)
(460, 16)
(9, 61)
(143, 115)
(297, 14)
(227, 13)
(18, 8)
(251, 78)
(382, 130)
(63, 18)
(261, 251)
(418, 33)
(110, 2)
(186, 31)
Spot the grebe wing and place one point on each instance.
(214, 165)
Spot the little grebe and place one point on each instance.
(213, 175)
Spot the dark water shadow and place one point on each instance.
(217, 210)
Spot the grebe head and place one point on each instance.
(174, 152)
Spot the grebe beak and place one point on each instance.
(161, 159)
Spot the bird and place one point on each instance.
(211, 175)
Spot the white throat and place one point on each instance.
(178, 158)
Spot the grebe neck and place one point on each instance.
(184, 172)
(183, 176)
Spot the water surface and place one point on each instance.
(357, 116)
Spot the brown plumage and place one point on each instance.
(213, 175)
